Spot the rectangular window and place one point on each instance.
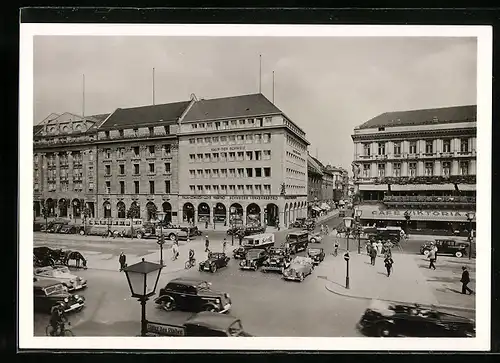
(151, 151)
(167, 130)
(200, 173)
(215, 173)
(192, 189)
(428, 147)
(232, 139)
(202, 125)
(429, 166)
(223, 173)
(223, 189)
(151, 131)
(192, 174)
(446, 168)
(397, 148)
(122, 187)
(136, 168)
(215, 188)
(396, 169)
(121, 153)
(208, 140)
(249, 173)
(366, 170)
(194, 126)
(167, 186)
(223, 140)
(199, 141)
(240, 155)
(241, 139)
(267, 154)
(108, 187)
(234, 123)
(381, 148)
(136, 151)
(151, 167)
(249, 138)
(258, 138)
(136, 132)
(267, 188)
(200, 189)
(215, 140)
(223, 157)
(267, 172)
(208, 189)
(151, 187)
(241, 173)
(121, 133)
(413, 169)
(108, 154)
(108, 169)
(136, 187)
(249, 189)
(249, 155)
(207, 158)
(106, 134)
(413, 147)
(199, 157)
(192, 141)
(464, 168)
(209, 125)
(268, 121)
(366, 149)
(242, 122)
(122, 169)
(167, 167)
(258, 155)
(207, 173)
(215, 157)
(464, 146)
(258, 172)
(232, 156)
(446, 146)
(258, 189)
(381, 170)
(166, 149)
(267, 138)
(232, 173)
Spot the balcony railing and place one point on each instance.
(429, 200)
(454, 179)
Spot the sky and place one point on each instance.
(326, 85)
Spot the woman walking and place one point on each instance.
(388, 264)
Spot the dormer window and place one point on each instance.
(106, 134)
(151, 131)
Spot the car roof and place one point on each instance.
(41, 283)
(187, 281)
(211, 320)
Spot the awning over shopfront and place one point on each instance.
(440, 215)
(375, 187)
(467, 187)
(415, 187)
(317, 209)
(325, 206)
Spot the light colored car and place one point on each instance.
(299, 268)
(315, 237)
(62, 274)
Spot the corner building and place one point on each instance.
(422, 162)
(241, 157)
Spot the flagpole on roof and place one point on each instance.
(260, 73)
(153, 86)
(83, 96)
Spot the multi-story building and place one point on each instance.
(421, 161)
(314, 183)
(64, 164)
(243, 158)
(339, 179)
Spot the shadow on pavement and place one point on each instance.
(121, 328)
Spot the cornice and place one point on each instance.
(417, 134)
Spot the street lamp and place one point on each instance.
(142, 279)
(470, 217)
(347, 224)
(407, 218)
(214, 217)
(231, 216)
(161, 238)
(358, 213)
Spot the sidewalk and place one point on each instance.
(408, 283)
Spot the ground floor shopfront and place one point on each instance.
(64, 205)
(451, 222)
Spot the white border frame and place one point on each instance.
(484, 120)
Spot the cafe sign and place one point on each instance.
(415, 214)
(435, 213)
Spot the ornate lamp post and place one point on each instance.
(347, 224)
(231, 216)
(407, 218)
(470, 217)
(142, 279)
(214, 217)
(161, 237)
(358, 214)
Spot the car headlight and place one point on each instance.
(242, 263)
(71, 281)
(217, 301)
(66, 300)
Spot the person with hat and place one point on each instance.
(123, 261)
(432, 256)
(207, 244)
(465, 281)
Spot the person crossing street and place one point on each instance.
(388, 261)
(207, 244)
(465, 281)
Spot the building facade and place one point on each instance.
(242, 159)
(421, 161)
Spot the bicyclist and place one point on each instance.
(57, 319)
(191, 256)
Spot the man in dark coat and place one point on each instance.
(123, 261)
(207, 244)
(373, 255)
(465, 281)
(388, 264)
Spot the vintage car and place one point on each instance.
(296, 241)
(203, 324)
(60, 274)
(278, 260)
(239, 253)
(447, 247)
(215, 261)
(192, 295)
(299, 268)
(235, 230)
(252, 230)
(68, 229)
(262, 241)
(47, 293)
(315, 237)
(317, 255)
(299, 223)
(55, 227)
(253, 259)
(383, 319)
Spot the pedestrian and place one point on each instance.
(224, 245)
(368, 248)
(175, 251)
(379, 247)
(336, 247)
(432, 257)
(435, 253)
(123, 261)
(465, 281)
(207, 244)
(206, 224)
(388, 261)
(240, 237)
(322, 229)
(278, 225)
(373, 255)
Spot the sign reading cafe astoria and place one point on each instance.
(430, 213)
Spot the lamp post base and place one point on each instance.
(347, 283)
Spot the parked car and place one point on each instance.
(215, 261)
(55, 227)
(299, 268)
(47, 293)
(253, 259)
(239, 253)
(68, 229)
(315, 237)
(299, 223)
(192, 295)
(383, 319)
(60, 274)
(317, 255)
(447, 247)
(46, 227)
(202, 324)
(38, 226)
(277, 260)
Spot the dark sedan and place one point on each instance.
(384, 319)
(253, 260)
(316, 254)
(215, 261)
(68, 229)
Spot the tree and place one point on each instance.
(134, 211)
(152, 210)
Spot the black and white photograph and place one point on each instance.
(285, 187)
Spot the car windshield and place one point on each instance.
(253, 254)
(235, 329)
(62, 269)
(55, 289)
(216, 255)
(301, 260)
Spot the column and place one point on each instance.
(455, 145)
(472, 167)
(420, 168)
(58, 172)
(70, 173)
(404, 168)
(389, 148)
(43, 173)
(388, 169)
(474, 144)
(420, 146)
(454, 167)
(374, 150)
(373, 170)
(437, 167)
(244, 215)
(439, 145)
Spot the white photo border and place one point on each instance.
(481, 342)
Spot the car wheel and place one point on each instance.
(426, 253)
(458, 254)
(82, 232)
(168, 304)
(384, 330)
(210, 308)
(171, 236)
(313, 240)
(213, 268)
(139, 235)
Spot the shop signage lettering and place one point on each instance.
(290, 197)
(226, 148)
(164, 330)
(436, 213)
(232, 197)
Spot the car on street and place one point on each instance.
(299, 223)
(383, 319)
(317, 255)
(315, 237)
(193, 295)
(202, 324)
(277, 260)
(68, 229)
(47, 293)
(263, 241)
(299, 268)
(55, 227)
(60, 274)
(446, 247)
(215, 261)
(253, 259)
(296, 241)
(239, 253)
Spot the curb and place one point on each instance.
(451, 307)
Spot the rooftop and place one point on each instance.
(231, 107)
(423, 117)
(153, 114)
